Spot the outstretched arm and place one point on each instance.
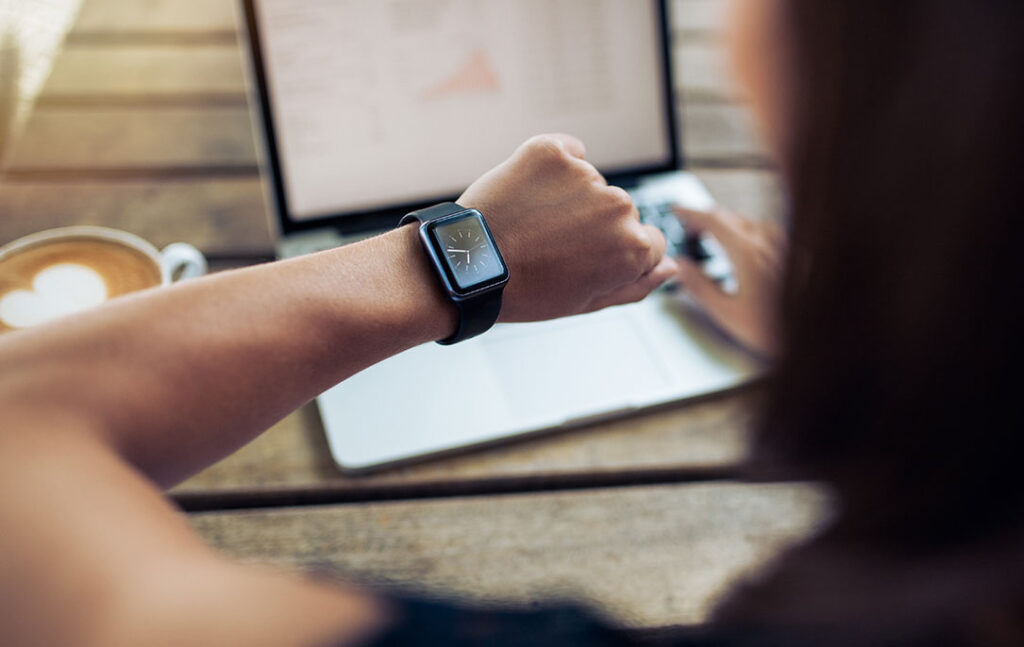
(174, 379)
(99, 409)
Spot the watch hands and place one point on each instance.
(463, 251)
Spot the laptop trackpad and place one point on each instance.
(576, 367)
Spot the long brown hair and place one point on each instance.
(901, 377)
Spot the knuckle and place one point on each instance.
(655, 237)
(619, 201)
(584, 171)
(545, 149)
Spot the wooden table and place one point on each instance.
(144, 125)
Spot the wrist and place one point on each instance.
(420, 302)
(469, 268)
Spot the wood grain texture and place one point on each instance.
(146, 70)
(293, 455)
(220, 216)
(136, 138)
(155, 16)
(650, 556)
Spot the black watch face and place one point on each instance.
(469, 251)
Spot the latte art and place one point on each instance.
(56, 278)
(56, 291)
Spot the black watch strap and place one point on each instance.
(427, 214)
(476, 316)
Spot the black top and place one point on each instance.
(421, 622)
(431, 623)
(426, 622)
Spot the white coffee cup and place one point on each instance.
(60, 271)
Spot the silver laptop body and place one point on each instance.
(358, 98)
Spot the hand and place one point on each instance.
(756, 250)
(572, 243)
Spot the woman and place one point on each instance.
(895, 125)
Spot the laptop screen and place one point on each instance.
(370, 104)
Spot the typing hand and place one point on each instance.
(756, 249)
(572, 243)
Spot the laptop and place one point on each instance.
(370, 109)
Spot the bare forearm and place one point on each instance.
(178, 377)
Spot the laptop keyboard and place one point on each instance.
(700, 249)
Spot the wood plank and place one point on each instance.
(650, 556)
(220, 216)
(104, 138)
(293, 455)
(114, 16)
(147, 70)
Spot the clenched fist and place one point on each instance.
(572, 243)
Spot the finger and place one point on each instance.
(639, 289)
(727, 227)
(705, 290)
(572, 145)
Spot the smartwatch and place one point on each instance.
(469, 266)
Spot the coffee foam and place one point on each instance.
(54, 278)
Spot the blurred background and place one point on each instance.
(134, 114)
